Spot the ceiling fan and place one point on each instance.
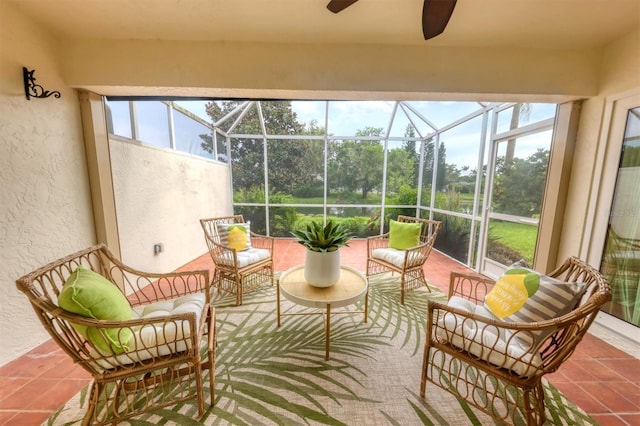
(435, 14)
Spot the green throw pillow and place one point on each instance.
(91, 295)
(403, 235)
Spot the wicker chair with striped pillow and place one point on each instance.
(243, 259)
(490, 344)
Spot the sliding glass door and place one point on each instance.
(621, 257)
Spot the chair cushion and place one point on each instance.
(489, 343)
(390, 255)
(91, 295)
(252, 255)
(159, 339)
(524, 295)
(403, 235)
(235, 235)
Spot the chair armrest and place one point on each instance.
(262, 242)
(469, 286)
(376, 242)
(416, 256)
(146, 287)
(163, 335)
(445, 326)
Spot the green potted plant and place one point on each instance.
(322, 258)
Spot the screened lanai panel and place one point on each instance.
(256, 215)
(282, 220)
(351, 118)
(247, 169)
(509, 242)
(522, 114)
(296, 171)
(360, 221)
(460, 148)
(442, 114)
(402, 126)
(278, 117)
(454, 236)
(520, 174)
(403, 161)
(221, 145)
(311, 114)
(427, 172)
(355, 172)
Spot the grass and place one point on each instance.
(518, 236)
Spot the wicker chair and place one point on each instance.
(475, 367)
(159, 361)
(408, 263)
(238, 272)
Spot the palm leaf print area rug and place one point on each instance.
(267, 375)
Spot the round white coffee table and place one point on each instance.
(350, 288)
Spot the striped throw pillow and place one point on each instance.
(524, 295)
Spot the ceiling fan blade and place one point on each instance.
(435, 16)
(339, 5)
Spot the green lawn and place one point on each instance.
(517, 236)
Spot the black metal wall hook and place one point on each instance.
(33, 90)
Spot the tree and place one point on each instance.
(410, 147)
(400, 169)
(357, 164)
(519, 185)
(429, 162)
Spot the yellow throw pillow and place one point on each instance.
(523, 295)
(235, 235)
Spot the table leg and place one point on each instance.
(327, 333)
(278, 301)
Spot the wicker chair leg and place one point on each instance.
(211, 349)
(199, 388)
(423, 380)
(402, 290)
(95, 391)
(534, 413)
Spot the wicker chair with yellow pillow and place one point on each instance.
(492, 342)
(243, 259)
(404, 249)
(138, 334)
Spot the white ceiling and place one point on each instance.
(560, 24)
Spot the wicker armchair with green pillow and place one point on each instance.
(404, 249)
(138, 334)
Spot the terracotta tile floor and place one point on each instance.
(601, 379)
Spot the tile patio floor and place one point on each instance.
(601, 379)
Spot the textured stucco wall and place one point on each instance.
(160, 196)
(45, 208)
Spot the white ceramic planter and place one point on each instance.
(322, 269)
